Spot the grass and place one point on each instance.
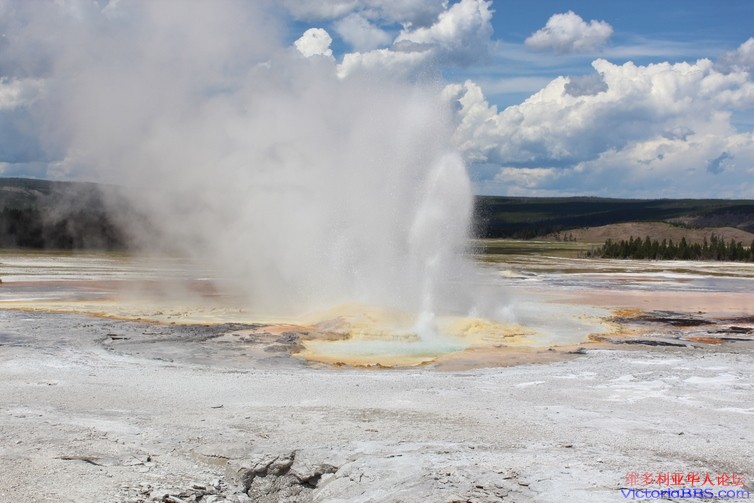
(568, 249)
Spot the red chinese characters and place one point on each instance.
(684, 479)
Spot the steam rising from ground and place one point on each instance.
(303, 188)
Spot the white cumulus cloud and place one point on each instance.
(633, 128)
(383, 62)
(408, 12)
(568, 32)
(314, 42)
(741, 58)
(460, 35)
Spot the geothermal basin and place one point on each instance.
(549, 302)
(139, 379)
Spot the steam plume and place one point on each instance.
(304, 189)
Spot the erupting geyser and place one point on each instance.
(304, 188)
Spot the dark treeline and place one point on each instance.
(76, 230)
(46, 214)
(714, 249)
(526, 218)
(51, 215)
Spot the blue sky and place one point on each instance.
(611, 98)
(645, 31)
(607, 98)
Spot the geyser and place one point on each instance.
(304, 189)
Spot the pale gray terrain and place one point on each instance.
(114, 411)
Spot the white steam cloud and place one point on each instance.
(304, 188)
(360, 33)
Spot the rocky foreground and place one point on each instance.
(114, 411)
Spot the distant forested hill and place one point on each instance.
(42, 214)
(74, 215)
(526, 218)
